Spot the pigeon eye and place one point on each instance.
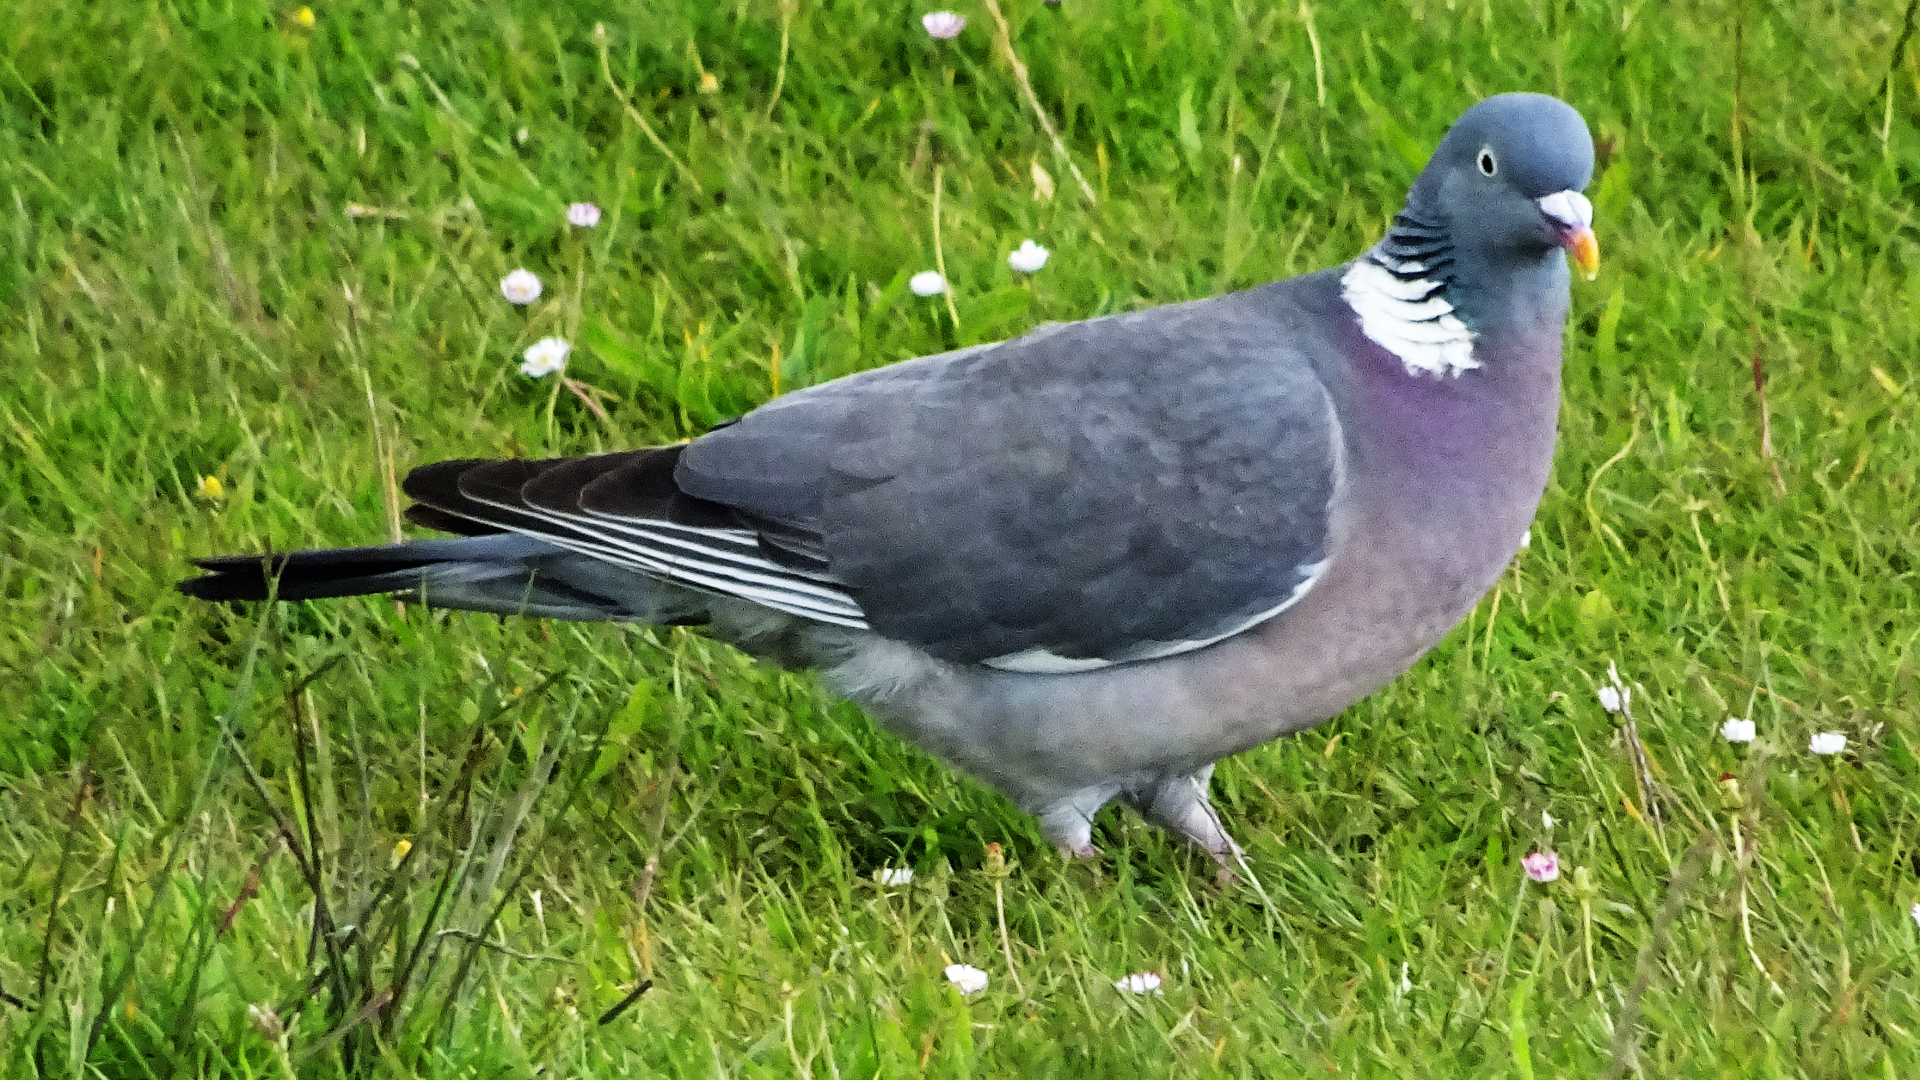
(1487, 165)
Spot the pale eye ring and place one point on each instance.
(1488, 166)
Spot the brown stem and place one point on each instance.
(1766, 419)
(580, 391)
(1626, 1028)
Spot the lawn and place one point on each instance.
(250, 259)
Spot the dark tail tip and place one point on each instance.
(305, 575)
(234, 577)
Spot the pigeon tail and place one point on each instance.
(504, 574)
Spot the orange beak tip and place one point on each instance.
(1585, 248)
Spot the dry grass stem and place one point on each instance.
(787, 9)
(601, 40)
(1626, 1028)
(1766, 419)
(1004, 36)
(939, 253)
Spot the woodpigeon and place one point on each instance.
(1087, 563)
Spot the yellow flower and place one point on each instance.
(400, 849)
(303, 18)
(211, 488)
(709, 82)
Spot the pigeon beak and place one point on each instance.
(1585, 248)
(1571, 217)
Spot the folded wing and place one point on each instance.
(1115, 490)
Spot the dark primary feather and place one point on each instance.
(625, 508)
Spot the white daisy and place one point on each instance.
(944, 25)
(966, 978)
(546, 356)
(1827, 742)
(521, 287)
(1028, 258)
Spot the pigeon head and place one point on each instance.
(1474, 253)
(1507, 179)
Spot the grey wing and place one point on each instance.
(1107, 491)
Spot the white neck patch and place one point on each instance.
(1408, 318)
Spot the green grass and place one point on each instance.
(184, 295)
